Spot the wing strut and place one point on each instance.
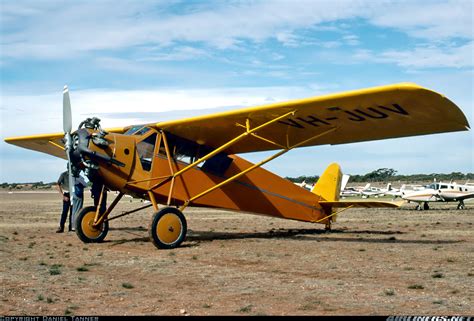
(211, 154)
(248, 131)
(283, 151)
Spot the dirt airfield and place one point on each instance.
(374, 262)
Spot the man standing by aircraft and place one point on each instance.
(63, 186)
(78, 200)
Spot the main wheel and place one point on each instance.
(85, 230)
(168, 228)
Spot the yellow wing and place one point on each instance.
(369, 114)
(48, 143)
(51, 144)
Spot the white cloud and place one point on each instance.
(61, 30)
(433, 20)
(423, 56)
(44, 112)
(351, 40)
(177, 54)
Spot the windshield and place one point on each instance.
(137, 130)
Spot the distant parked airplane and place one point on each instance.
(440, 192)
(305, 185)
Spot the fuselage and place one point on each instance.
(150, 160)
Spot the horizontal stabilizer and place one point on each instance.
(361, 203)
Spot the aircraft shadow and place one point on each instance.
(195, 237)
(136, 229)
(304, 235)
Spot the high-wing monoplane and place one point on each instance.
(195, 161)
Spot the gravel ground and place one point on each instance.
(374, 262)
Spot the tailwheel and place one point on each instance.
(85, 230)
(168, 228)
(327, 226)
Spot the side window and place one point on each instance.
(186, 151)
(145, 150)
(217, 164)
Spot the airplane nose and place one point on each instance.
(89, 148)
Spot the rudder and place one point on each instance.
(328, 186)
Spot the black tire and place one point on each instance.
(84, 229)
(426, 206)
(168, 228)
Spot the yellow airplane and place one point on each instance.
(194, 161)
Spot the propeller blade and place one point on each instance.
(71, 187)
(67, 117)
(67, 127)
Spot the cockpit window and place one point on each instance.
(142, 131)
(132, 130)
(188, 152)
(137, 130)
(145, 150)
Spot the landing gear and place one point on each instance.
(425, 206)
(461, 205)
(327, 227)
(168, 228)
(85, 230)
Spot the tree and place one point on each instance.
(380, 174)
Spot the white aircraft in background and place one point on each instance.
(440, 192)
(350, 191)
(304, 185)
(394, 192)
(375, 191)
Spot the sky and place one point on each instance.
(131, 62)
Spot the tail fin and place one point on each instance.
(345, 180)
(328, 186)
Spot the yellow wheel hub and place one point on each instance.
(87, 226)
(169, 228)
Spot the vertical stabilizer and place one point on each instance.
(345, 180)
(328, 186)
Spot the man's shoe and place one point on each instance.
(60, 230)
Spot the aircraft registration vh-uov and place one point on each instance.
(195, 161)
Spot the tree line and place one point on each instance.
(379, 175)
(390, 175)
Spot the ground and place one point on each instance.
(374, 262)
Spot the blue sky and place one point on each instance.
(142, 61)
